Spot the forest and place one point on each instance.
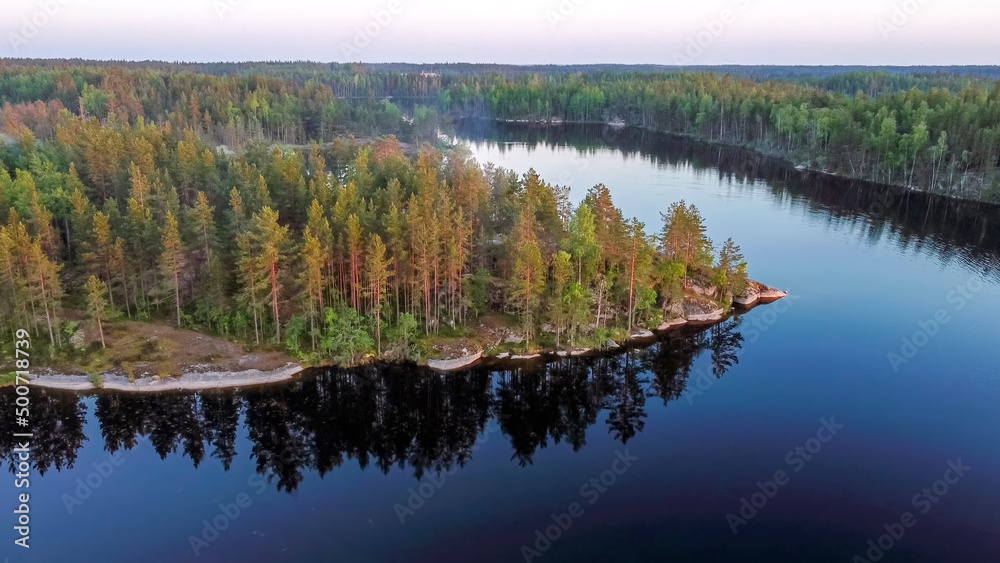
(338, 252)
(936, 132)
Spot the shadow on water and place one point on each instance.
(383, 416)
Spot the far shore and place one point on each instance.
(802, 168)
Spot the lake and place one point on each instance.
(856, 419)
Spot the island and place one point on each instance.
(141, 258)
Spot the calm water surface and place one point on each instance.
(402, 465)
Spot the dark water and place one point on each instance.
(403, 465)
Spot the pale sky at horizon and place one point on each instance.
(779, 32)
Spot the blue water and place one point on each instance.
(500, 453)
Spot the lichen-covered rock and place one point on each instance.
(514, 338)
(667, 325)
(454, 364)
(78, 340)
(702, 310)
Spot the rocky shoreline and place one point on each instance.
(194, 381)
(697, 310)
(694, 313)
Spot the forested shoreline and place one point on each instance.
(245, 206)
(336, 253)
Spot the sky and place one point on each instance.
(701, 32)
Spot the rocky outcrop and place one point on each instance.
(702, 311)
(641, 334)
(196, 381)
(673, 323)
(698, 308)
(758, 292)
(454, 364)
(522, 357)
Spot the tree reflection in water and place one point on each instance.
(387, 416)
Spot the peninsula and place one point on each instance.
(142, 255)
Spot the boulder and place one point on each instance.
(513, 338)
(757, 291)
(454, 364)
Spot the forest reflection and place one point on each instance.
(933, 224)
(382, 416)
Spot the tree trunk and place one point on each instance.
(177, 296)
(378, 315)
(45, 302)
(631, 286)
(274, 300)
(600, 303)
(100, 328)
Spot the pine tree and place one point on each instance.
(398, 232)
(97, 303)
(311, 279)
(684, 236)
(252, 279)
(203, 222)
(237, 212)
(528, 282)
(140, 184)
(426, 246)
(102, 259)
(355, 247)
(173, 261)
(583, 245)
(119, 266)
(143, 245)
(13, 243)
(41, 217)
(319, 227)
(562, 272)
(81, 220)
(44, 285)
(271, 243)
(731, 271)
(640, 271)
(377, 274)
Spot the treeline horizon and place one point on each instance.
(274, 67)
(939, 133)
